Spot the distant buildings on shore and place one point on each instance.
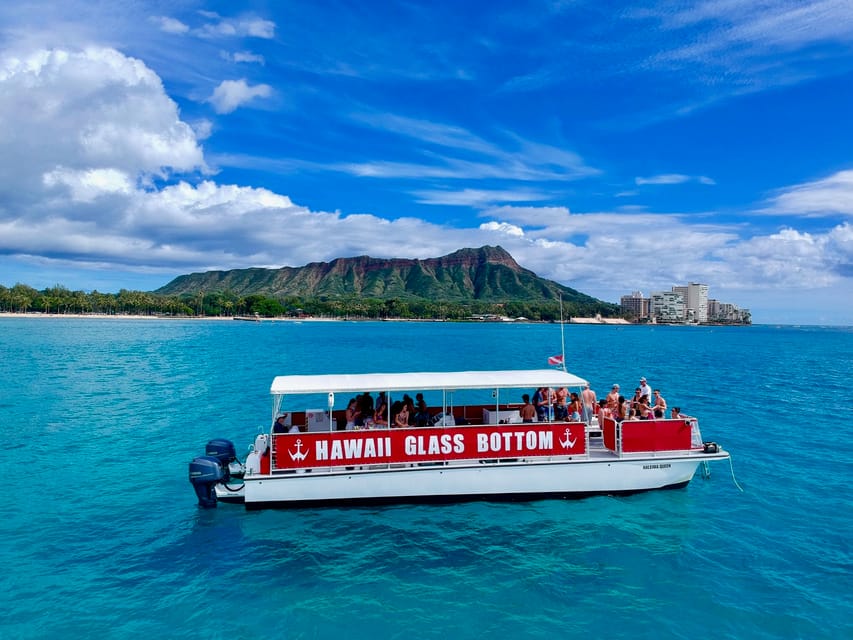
(687, 304)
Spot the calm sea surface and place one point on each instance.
(100, 536)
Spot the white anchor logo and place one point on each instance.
(299, 455)
(568, 443)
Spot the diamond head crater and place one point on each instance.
(472, 283)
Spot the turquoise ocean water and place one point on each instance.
(100, 536)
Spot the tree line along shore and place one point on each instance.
(59, 300)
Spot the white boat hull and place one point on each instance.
(488, 481)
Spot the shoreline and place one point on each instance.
(604, 322)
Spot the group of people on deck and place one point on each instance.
(545, 405)
(363, 413)
(559, 404)
(646, 404)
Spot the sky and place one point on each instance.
(611, 147)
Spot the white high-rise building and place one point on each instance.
(695, 301)
(667, 306)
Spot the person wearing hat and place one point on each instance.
(645, 390)
(613, 399)
(279, 426)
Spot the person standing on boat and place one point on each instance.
(589, 403)
(635, 401)
(527, 410)
(645, 411)
(561, 409)
(645, 390)
(613, 399)
(623, 412)
(540, 401)
(575, 408)
(660, 405)
(422, 416)
(365, 409)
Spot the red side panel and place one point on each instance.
(608, 430)
(655, 435)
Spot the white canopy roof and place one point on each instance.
(422, 381)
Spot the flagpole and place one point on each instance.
(562, 333)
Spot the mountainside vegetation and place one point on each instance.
(469, 282)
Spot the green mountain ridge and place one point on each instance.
(487, 274)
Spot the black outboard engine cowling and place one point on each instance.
(223, 451)
(205, 474)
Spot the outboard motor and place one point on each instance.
(223, 451)
(205, 474)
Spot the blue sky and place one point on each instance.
(610, 147)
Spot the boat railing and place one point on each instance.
(648, 436)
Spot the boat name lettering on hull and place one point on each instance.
(431, 444)
(515, 441)
(435, 444)
(663, 465)
(353, 448)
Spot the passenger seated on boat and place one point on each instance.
(603, 410)
(676, 413)
(402, 417)
(380, 418)
(279, 426)
(527, 410)
(351, 413)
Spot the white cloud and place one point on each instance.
(780, 25)
(476, 197)
(530, 216)
(247, 56)
(92, 113)
(242, 56)
(171, 25)
(828, 196)
(231, 94)
(87, 185)
(202, 128)
(455, 153)
(503, 228)
(673, 178)
(240, 27)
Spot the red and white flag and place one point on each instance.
(556, 360)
